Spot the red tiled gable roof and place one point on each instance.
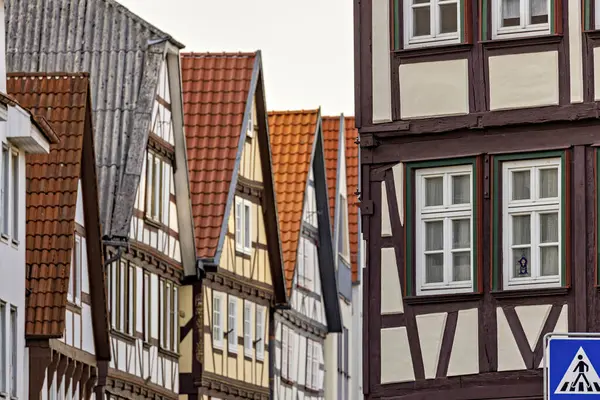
(331, 135)
(215, 92)
(292, 138)
(352, 168)
(52, 181)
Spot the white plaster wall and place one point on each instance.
(523, 80)
(79, 218)
(431, 331)
(437, 88)
(386, 223)
(575, 51)
(396, 359)
(509, 356)
(597, 73)
(464, 358)
(381, 70)
(391, 290)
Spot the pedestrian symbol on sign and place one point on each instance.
(580, 377)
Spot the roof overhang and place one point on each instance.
(27, 132)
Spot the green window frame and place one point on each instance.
(410, 239)
(488, 13)
(496, 234)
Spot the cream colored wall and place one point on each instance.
(596, 73)
(431, 89)
(186, 344)
(381, 73)
(233, 366)
(523, 80)
(250, 166)
(575, 52)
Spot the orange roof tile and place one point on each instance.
(215, 93)
(331, 136)
(292, 137)
(352, 170)
(52, 182)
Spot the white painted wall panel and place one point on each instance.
(575, 51)
(88, 329)
(79, 218)
(391, 291)
(509, 356)
(381, 64)
(464, 359)
(396, 359)
(386, 224)
(431, 331)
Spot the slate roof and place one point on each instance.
(215, 94)
(122, 53)
(52, 182)
(292, 138)
(331, 140)
(352, 182)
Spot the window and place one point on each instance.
(260, 333)
(13, 370)
(168, 322)
(312, 364)
(122, 286)
(3, 334)
(287, 352)
(310, 204)
(343, 244)
(531, 223)
(520, 17)
(247, 329)
(243, 225)
(5, 189)
(232, 332)
(217, 320)
(15, 197)
(74, 294)
(343, 365)
(251, 118)
(307, 262)
(431, 22)
(154, 187)
(147, 302)
(444, 234)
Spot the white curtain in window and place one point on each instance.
(549, 234)
(538, 7)
(434, 241)
(461, 260)
(434, 191)
(511, 8)
(549, 183)
(521, 185)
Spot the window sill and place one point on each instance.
(519, 41)
(122, 335)
(169, 353)
(248, 357)
(15, 243)
(152, 222)
(538, 292)
(432, 49)
(260, 359)
(243, 254)
(442, 298)
(233, 354)
(287, 381)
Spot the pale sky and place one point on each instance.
(307, 45)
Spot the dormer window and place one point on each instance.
(520, 18)
(431, 22)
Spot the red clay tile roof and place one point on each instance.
(52, 182)
(292, 137)
(352, 168)
(331, 135)
(215, 93)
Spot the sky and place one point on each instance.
(307, 46)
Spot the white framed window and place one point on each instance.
(431, 22)
(287, 352)
(243, 225)
(531, 223)
(260, 333)
(74, 293)
(155, 184)
(217, 322)
(13, 366)
(15, 196)
(307, 262)
(232, 330)
(444, 234)
(343, 240)
(512, 18)
(5, 190)
(247, 328)
(3, 348)
(312, 364)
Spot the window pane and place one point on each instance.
(461, 233)
(448, 18)
(421, 22)
(461, 266)
(549, 183)
(521, 183)
(434, 268)
(538, 11)
(511, 11)
(549, 257)
(549, 228)
(5, 190)
(525, 254)
(247, 233)
(461, 191)
(521, 229)
(434, 191)
(434, 235)
(15, 199)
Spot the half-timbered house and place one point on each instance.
(478, 132)
(228, 319)
(66, 324)
(339, 355)
(145, 207)
(308, 251)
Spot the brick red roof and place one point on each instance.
(52, 182)
(331, 136)
(292, 138)
(215, 94)
(352, 170)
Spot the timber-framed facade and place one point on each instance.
(478, 134)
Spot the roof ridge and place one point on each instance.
(223, 54)
(48, 75)
(302, 111)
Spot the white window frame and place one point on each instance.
(74, 293)
(3, 350)
(243, 230)
(217, 323)
(232, 324)
(446, 212)
(524, 29)
(13, 362)
(434, 38)
(533, 207)
(597, 14)
(14, 174)
(260, 332)
(250, 126)
(343, 237)
(5, 192)
(155, 187)
(248, 329)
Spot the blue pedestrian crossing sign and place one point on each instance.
(573, 365)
